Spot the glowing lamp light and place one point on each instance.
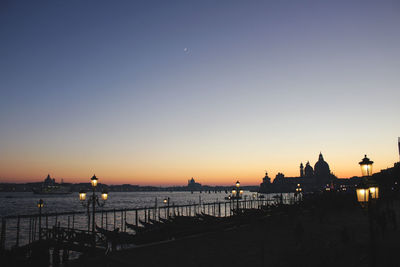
(40, 203)
(362, 194)
(366, 166)
(82, 195)
(94, 180)
(234, 192)
(237, 184)
(374, 192)
(165, 201)
(241, 192)
(104, 195)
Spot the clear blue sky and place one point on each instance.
(155, 92)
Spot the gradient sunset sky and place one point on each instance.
(157, 92)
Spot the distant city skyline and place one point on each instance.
(155, 92)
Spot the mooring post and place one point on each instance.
(115, 218)
(30, 229)
(122, 220)
(106, 220)
(17, 239)
(34, 229)
(102, 218)
(3, 234)
(155, 210)
(225, 208)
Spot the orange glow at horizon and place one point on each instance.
(176, 176)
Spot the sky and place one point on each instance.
(157, 92)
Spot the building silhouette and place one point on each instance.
(310, 179)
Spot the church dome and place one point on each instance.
(321, 168)
(308, 170)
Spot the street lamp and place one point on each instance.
(93, 200)
(362, 194)
(366, 166)
(40, 206)
(237, 194)
(166, 202)
(367, 193)
(298, 191)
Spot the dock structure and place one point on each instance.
(71, 231)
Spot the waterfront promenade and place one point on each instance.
(313, 235)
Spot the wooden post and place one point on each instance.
(17, 239)
(115, 219)
(122, 220)
(136, 218)
(34, 228)
(102, 218)
(3, 234)
(106, 220)
(30, 229)
(125, 220)
(225, 208)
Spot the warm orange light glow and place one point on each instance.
(362, 195)
(374, 191)
(211, 172)
(82, 196)
(40, 203)
(94, 181)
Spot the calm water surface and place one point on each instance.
(23, 203)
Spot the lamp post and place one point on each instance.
(366, 166)
(166, 202)
(93, 200)
(236, 193)
(40, 206)
(298, 192)
(367, 194)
